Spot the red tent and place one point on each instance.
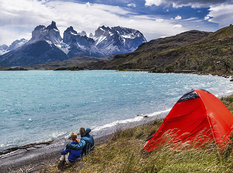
(197, 118)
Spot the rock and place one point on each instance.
(47, 45)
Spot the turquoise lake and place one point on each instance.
(42, 105)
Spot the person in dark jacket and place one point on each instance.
(89, 141)
(70, 155)
(86, 142)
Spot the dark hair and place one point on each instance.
(82, 131)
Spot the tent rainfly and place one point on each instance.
(198, 118)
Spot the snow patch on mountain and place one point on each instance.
(49, 33)
(114, 40)
(17, 43)
(14, 45)
(46, 44)
(3, 49)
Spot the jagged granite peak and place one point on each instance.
(47, 45)
(3, 49)
(14, 45)
(114, 40)
(83, 33)
(102, 30)
(17, 43)
(79, 43)
(50, 34)
(70, 36)
(52, 26)
(39, 27)
(71, 30)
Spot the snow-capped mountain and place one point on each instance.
(79, 43)
(117, 40)
(17, 43)
(14, 45)
(50, 34)
(106, 41)
(3, 49)
(47, 45)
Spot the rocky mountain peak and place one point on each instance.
(71, 30)
(39, 27)
(112, 40)
(50, 34)
(83, 33)
(14, 45)
(17, 43)
(102, 30)
(69, 35)
(52, 26)
(47, 45)
(3, 49)
(79, 43)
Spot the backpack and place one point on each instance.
(87, 148)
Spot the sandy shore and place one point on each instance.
(33, 157)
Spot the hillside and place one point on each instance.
(123, 154)
(76, 62)
(191, 51)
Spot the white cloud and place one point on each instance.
(222, 14)
(19, 17)
(131, 5)
(153, 2)
(192, 3)
(177, 26)
(178, 17)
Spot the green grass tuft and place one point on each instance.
(123, 154)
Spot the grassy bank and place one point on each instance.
(123, 153)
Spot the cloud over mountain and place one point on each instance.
(46, 45)
(155, 18)
(193, 3)
(19, 17)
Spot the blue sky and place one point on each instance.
(154, 18)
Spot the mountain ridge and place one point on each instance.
(107, 41)
(191, 51)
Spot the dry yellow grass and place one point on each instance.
(123, 154)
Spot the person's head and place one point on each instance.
(74, 136)
(82, 131)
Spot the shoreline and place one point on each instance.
(33, 157)
(229, 75)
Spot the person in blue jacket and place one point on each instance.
(70, 155)
(86, 142)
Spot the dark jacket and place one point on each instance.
(86, 142)
(73, 154)
(88, 138)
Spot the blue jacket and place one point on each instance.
(86, 138)
(73, 154)
(78, 146)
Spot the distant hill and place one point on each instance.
(72, 63)
(192, 51)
